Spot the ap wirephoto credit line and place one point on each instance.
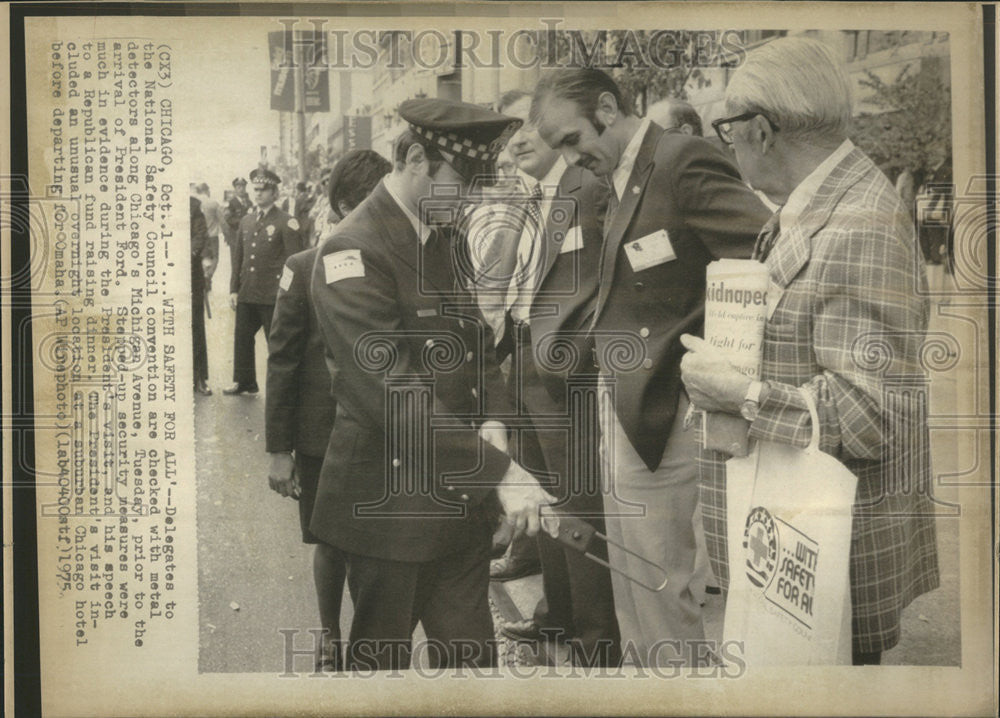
(507, 359)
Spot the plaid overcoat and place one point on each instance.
(850, 326)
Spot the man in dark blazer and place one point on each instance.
(550, 303)
(677, 203)
(413, 464)
(300, 409)
(266, 238)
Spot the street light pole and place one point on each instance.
(300, 107)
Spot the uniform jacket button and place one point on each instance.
(647, 363)
(395, 462)
(475, 393)
(451, 488)
(464, 497)
(644, 332)
(639, 286)
(470, 356)
(429, 343)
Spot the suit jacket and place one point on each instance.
(849, 327)
(682, 186)
(556, 351)
(199, 233)
(260, 253)
(406, 476)
(300, 408)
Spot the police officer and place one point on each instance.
(299, 411)
(236, 209)
(266, 238)
(415, 457)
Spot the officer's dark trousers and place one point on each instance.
(198, 320)
(448, 596)
(249, 318)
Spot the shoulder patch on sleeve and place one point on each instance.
(293, 223)
(343, 265)
(287, 275)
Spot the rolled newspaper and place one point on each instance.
(735, 312)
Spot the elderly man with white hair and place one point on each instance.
(843, 258)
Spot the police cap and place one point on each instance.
(263, 178)
(473, 136)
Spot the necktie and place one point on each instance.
(441, 265)
(259, 214)
(535, 205)
(767, 237)
(609, 215)
(528, 258)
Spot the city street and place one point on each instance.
(255, 575)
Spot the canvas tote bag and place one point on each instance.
(789, 538)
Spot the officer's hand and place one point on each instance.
(495, 433)
(523, 499)
(281, 476)
(232, 301)
(712, 382)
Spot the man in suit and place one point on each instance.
(550, 302)
(676, 204)
(300, 409)
(266, 238)
(841, 253)
(413, 466)
(674, 114)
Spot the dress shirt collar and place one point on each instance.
(419, 228)
(550, 181)
(803, 194)
(619, 178)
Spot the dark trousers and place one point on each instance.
(577, 599)
(198, 343)
(577, 595)
(249, 318)
(448, 596)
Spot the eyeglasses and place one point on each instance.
(724, 127)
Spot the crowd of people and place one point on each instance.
(446, 331)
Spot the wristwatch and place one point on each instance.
(751, 401)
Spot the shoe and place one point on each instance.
(508, 569)
(200, 387)
(525, 630)
(241, 389)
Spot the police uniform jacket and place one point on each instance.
(300, 408)
(236, 211)
(261, 250)
(683, 207)
(405, 476)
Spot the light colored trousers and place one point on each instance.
(651, 513)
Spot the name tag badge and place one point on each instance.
(774, 294)
(343, 265)
(573, 241)
(287, 275)
(650, 251)
(424, 313)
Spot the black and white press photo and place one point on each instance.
(509, 359)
